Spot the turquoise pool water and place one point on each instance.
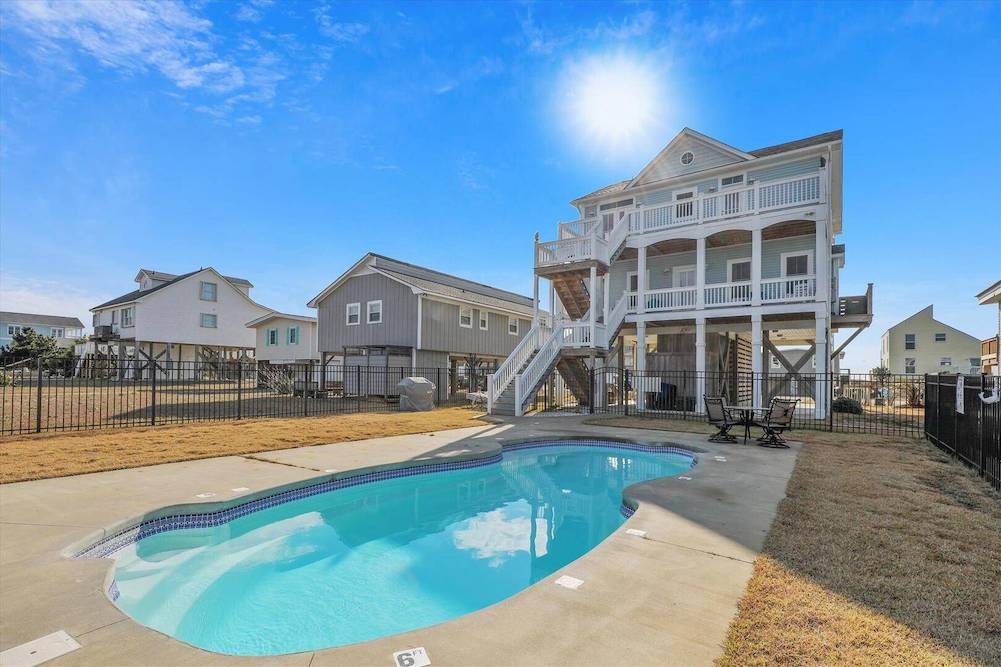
(384, 557)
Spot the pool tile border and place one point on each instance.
(110, 545)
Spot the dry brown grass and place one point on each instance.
(883, 552)
(40, 456)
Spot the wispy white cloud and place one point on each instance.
(340, 31)
(252, 11)
(473, 174)
(482, 68)
(22, 294)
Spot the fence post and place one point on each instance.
(590, 391)
(38, 396)
(239, 390)
(305, 388)
(358, 389)
(980, 425)
(830, 404)
(625, 392)
(152, 394)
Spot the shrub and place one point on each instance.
(845, 404)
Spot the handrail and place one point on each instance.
(526, 380)
(519, 355)
(615, 317)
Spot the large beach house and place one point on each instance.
(711, 259)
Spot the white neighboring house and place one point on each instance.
(196, 316)
(283, 338)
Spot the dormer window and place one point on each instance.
(687, 158)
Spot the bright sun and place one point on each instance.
(613, 104)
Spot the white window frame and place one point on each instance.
(484, 320)
(61, 334)
(267, 337)
(369, 312)
(469, 310)
(943, 335)
(913, 365)
(289, 335)
(915, 336)
(201, 291)
(114, 316)
(347, 313)
(517, 325)
(630, 274)
(742, 175)
(945, 361)
(203, 325)
(131, 317)
(678, 270)
(796, 253)
(729, 268)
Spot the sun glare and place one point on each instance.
(613, 105)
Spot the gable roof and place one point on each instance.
(274, 315)
(929, 310)
(739, 155)
(990, 295)
(46, 320)
(429, 281)
(137, 294)
(168, 277)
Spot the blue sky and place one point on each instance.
(281, 141)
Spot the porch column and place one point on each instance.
(756, 359)
(820, 372)
(606, 308)
(755, 267)
(535, 301)
(700, 273)
(641, 280)
(822, 263)
(593, 289)
(552, 303)
(700, 364)
(639, 381)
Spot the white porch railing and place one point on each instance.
(673, 298)
(577, 334)
(498, 381)
(533, 373)
(799, 288)
(705, 207)
(564, 251)
(615, 317)
(729, 294)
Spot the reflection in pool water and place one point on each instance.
(385, 557)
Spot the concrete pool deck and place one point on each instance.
(667, 598)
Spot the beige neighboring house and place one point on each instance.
(283, 338)
(989, 346)
(921, 344)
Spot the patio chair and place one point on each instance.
(721, 418)
(776, 421)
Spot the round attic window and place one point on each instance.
(687, 157)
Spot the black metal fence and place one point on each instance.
(848, 402)
(963, 418)
(65, 394)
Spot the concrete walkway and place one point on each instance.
(664, 599)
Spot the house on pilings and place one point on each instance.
(183, 325)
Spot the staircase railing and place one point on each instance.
(529, 378)
(498, 381)
(615, 317)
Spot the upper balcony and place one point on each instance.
(598, 239)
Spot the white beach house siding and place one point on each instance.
(282, 349)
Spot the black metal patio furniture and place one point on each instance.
(721, 418)
(776, 421)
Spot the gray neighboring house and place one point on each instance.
(64, 329)
(384, 312)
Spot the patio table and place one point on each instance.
(746, 413)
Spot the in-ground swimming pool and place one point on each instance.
(361, 558)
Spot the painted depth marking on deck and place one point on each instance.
(573, 583)
(241, 489)
(636, 532)
(39, 650)
(412, 657)
(685, 477)
(721, 459)
(204, 495)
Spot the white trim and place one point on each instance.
(470, 309)
(681, 269)
(796, 253)
(368, 311)
(484, 319)
(347, 314)
(275, 315)
(737, 260)
(692, 134)
(431, 296)
(420, 325)
(201, 291)
(517, 325)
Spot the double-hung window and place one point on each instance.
(352, 314)
(484, 320)
(910, 341)
(796, 264)
(126, 317)
(374, 312)
(209, 321)
(208, 291)
(512, 325)
(271, 337)
(292, 335)
(465, 317)
(909, 365)
(684, 276)
(940, 338)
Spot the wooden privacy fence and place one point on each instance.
(963, 418)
